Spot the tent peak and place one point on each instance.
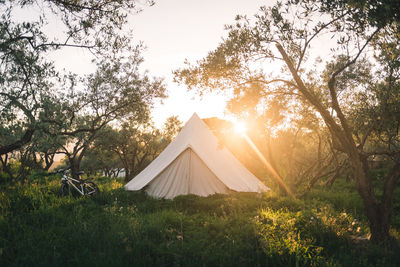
(195, 115)
(195, 119)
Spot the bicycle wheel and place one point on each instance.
(90, 188)
(64, 190)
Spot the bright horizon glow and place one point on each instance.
(176, 30)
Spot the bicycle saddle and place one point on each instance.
(80, 172)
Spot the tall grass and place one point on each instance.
(39, 228)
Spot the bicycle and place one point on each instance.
(84, 187)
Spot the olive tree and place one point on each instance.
(117, 90)
(359, 72)
(29, 82)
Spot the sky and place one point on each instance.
(172, 31)
(175, 30)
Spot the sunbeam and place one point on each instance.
(268, 165)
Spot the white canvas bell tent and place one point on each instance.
(194, 163)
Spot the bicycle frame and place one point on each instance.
(66, 179)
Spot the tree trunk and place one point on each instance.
(117, 173)
(128, 175)
(379, 213)
(74, 167)
(107, 172)
(49, 160)
(23, 169)
(379, 223)
(6, 166)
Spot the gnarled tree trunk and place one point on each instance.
(379, 213)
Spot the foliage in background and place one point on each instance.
(135, 144)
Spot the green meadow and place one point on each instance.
(120, 228)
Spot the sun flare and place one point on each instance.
(240, 127)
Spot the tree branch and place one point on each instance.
(26, 138)
(316, 34)
(269, 82)
(332, 125)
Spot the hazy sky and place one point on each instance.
(174, 30)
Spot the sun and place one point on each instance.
(240, 127)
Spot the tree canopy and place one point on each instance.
(29, 82)
(352, 90)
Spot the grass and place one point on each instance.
(37, 227)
